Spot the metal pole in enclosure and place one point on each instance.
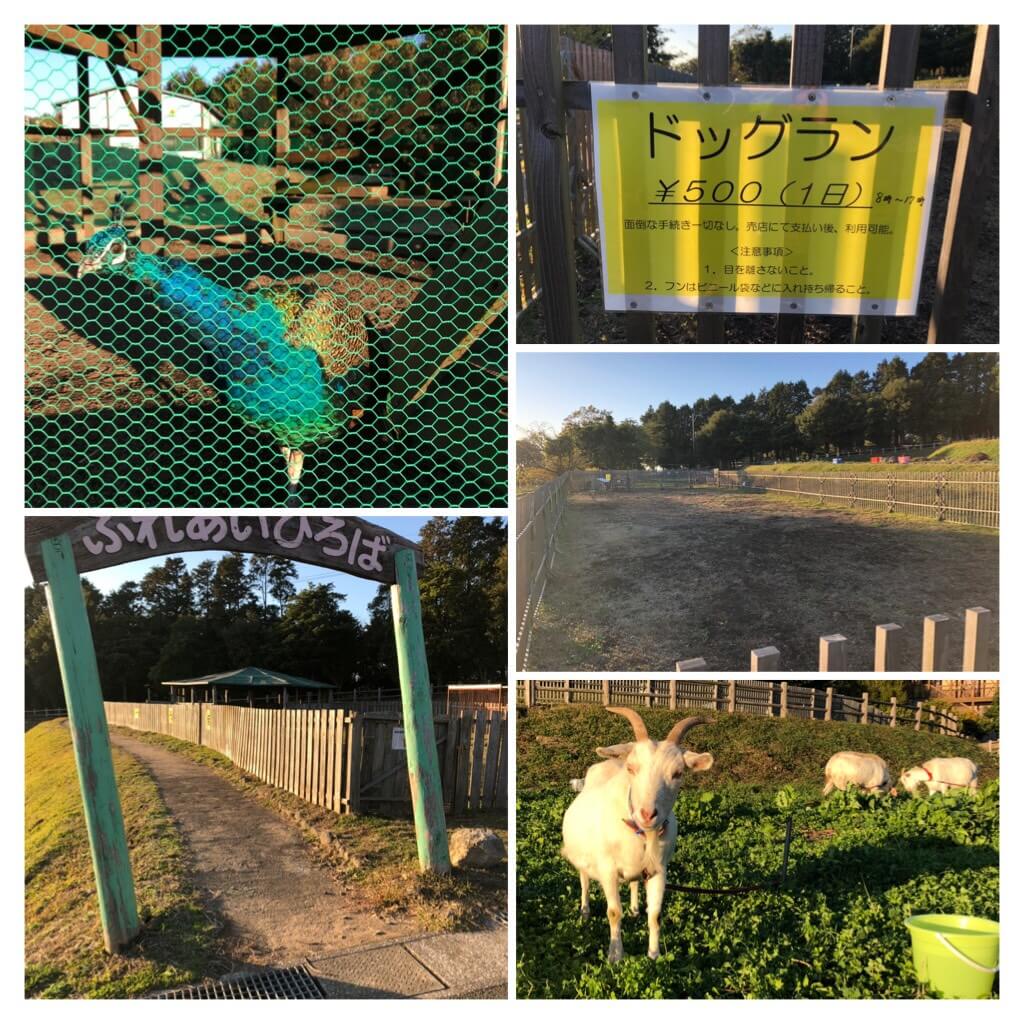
(88, 725)
(418, 718)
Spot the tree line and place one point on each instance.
(224, 613)
(943, 398)
(853, 53)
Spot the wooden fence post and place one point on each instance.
(354, 760)
(765, 659)
(865, 709)
(828, 704)
(673, 685)
(529, 698)
(977, 636)
(732, 696)
(936, 642)
(975, 154)
(607, 692)
(691, 665)
(887, 647)
(629, 54)
(547, 173)
(784, 700)
(899, 60)
(832, 653)
(917, 716)
(650, 693)
(893, 713)
(418, 718)
(90, 737)
(712, 69)
(771, 700)
(565, 691)
(806, 59)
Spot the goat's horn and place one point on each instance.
(680, 729)
(639, 729)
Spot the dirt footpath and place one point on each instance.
(256, 872)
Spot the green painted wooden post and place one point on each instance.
(418, 718)
(88, 724)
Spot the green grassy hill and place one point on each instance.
(557, 744)
(961, 451)
(64, 955)
(954, 455)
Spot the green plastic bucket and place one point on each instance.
(958, 957)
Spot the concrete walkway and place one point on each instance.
(281, 908)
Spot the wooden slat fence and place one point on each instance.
(580, 62)
(338, 758)
(556, 187)
(769, 699)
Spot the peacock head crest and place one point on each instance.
(104, 251)
(108, 248)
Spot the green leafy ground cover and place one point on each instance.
(858, 865)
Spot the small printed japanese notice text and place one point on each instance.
(764, 200)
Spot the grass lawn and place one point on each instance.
(858, 864)
(379, 853)
(64, 955)
(950, 456)
(641, 580)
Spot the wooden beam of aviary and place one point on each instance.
(888, 645)
(90, 737)
(977, 639)
(547, 173)
(151, 142)
(832, 653)
(807, 57)
(629, 56)
(418, 719)
(712, 69)
(765, 659)
(937, 630)
(691, 665)
(899, 60)
(972, 176)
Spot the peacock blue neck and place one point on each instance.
(269, 382)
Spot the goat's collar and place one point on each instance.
(631, 822)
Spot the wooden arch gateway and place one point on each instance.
(60, 548)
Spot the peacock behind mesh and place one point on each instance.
(285, 363)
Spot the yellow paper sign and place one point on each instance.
(764, 200)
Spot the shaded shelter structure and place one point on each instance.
(357, 204)
(248, 686)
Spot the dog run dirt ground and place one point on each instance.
(641, 580)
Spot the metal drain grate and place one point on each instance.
(286, 983)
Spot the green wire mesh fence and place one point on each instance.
(266, 264)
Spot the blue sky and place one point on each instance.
(551, 385)
(359, 592)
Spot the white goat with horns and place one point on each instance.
(622, 826)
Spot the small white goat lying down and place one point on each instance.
(940, 774)
(622, 826)
(852, 768)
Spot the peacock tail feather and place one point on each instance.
(278, 357)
